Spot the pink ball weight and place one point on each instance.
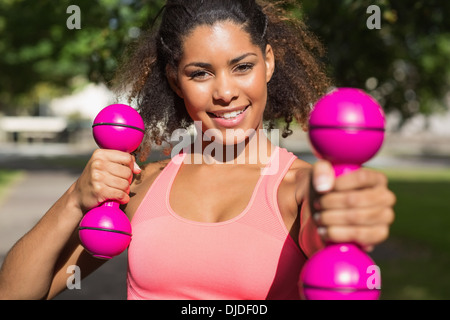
(339, 272)
(346, 127)
(118, 127)
(105, 231)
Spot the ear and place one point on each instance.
(172, 77)
(270, 62)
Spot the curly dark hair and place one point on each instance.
(298, 81)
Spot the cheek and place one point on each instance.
(196, 96)
(255, 88)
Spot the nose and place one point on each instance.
(225, 89)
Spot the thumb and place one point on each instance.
(323, 176)
(136, 169)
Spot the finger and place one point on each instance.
(363, 235)
(104, 191)
(134, 166)
(136, 169)
(123, 158)
(355, 217)
(358, 179)
(130, 161)
(363, 198)
(322, 176)
(118, 157)
(120, 171)
(119, 196)
(118, 183)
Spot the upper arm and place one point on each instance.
(73, 254)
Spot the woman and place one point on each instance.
(233, 216)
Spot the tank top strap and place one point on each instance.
(264, 213)
(153, 204)
(275, 173)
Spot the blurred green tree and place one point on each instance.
(41, 56)
(405, 64)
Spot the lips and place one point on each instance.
(229, 115)
(229, 119)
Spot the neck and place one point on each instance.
(255, 148)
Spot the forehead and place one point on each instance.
(217, 41)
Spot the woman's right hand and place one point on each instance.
(107, 176)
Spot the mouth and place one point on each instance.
(228, 115)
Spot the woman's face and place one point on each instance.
(222, 78)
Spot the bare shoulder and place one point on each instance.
(298, 171)
(298, 178)
(141, 183)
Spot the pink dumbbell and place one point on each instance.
(105, 231)
(347, 129)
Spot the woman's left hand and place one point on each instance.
(355, 207)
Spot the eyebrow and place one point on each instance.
(231, 62)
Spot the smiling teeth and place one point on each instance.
(229, 115)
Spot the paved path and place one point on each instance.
(24, 205)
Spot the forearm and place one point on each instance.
(309, 239)
(28, 269)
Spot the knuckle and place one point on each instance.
(96, 176)
(352, 200)
(359, 234)
(356, 217)
(393, 198)
(123, 197)
(97, 164)
(97, 188)
(127, 159)
(383, 233)
(98, 154)
(129, 172)
(363, 177)
(390, 216)
(383, 179)
(124, 185)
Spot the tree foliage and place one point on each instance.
(405, 64)
(40, 55)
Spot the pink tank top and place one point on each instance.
(250, 257)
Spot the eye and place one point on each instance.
(199, 75)
(244, 67)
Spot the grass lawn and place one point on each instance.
(416, 258)
(7, 178)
